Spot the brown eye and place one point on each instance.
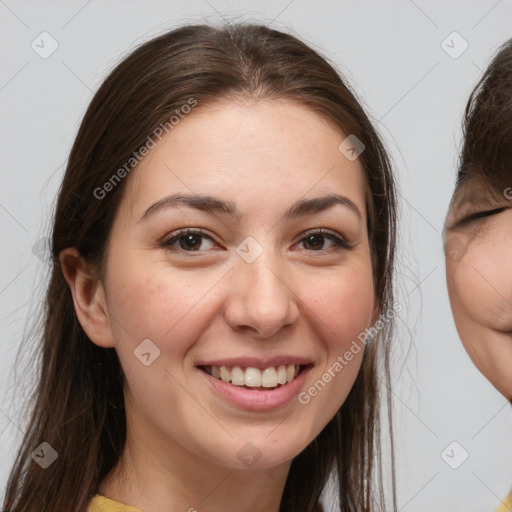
(189, 240)
(316, 239)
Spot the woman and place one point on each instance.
(221, 292)
(477, 233)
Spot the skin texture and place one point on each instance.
(183, 438)
(479, 278)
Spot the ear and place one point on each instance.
(88, 297)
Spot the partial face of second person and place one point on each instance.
(478, 240)
(193, 295)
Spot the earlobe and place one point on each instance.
(88, 297)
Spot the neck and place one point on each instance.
(157, 474)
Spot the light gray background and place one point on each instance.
(391, 52)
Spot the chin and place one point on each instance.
(506, 391)
(260, 453)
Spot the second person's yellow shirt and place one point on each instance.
(102, 504)
(506, 505)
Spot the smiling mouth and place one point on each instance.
(253, 378)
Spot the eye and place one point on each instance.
(189, 240)
(316, 239)
(479, 215)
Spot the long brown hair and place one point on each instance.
(78, 405)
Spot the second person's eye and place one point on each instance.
(480, 215)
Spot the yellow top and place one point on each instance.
(506, 505)
(101, 504)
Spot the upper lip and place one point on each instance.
(255, 362)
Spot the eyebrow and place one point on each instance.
(215, 205)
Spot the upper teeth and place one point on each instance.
(254, 377)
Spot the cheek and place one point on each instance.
(343, 307)
(172, 309)
(344, 304)
(161, 307)
(481, 285)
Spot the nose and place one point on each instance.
(261, 298)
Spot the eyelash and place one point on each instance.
(174, 237)
(481, 215)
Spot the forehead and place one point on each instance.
(476, 193)
(280, 146)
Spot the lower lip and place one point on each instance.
(258, 400)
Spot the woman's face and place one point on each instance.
(248, 290)
(478, 243)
